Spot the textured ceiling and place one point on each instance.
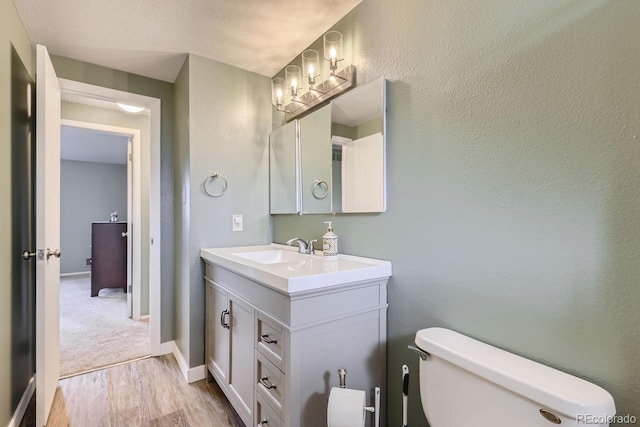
(151, 37)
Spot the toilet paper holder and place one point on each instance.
(375, 409)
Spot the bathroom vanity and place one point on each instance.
(279, 325)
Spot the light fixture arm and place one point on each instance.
(333, 64)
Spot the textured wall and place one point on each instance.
(11, 33)
(228, 131)
(100, 76)
(88, 192)
(513, 181)
(181, 209)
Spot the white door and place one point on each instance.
(47, 234)
(129, 234)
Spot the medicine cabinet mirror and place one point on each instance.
(333, 159)
(358, 128)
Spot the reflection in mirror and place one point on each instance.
(284, 170)
(358, 150)
(315, 137)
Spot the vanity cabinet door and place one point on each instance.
(241, 330)
(217, 343)
(315, 147)
(229, 346)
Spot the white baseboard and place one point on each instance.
(190, 374)
(24, 402)
(79, 273)
(166, 348)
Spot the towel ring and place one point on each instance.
(213, 177)
(322, 186)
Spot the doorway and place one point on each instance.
(103, 317)
(149, 156)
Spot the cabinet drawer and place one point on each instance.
(265, 416)
(269, 340)
(269, 383)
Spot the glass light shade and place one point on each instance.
(278, 90)
(310, 66)
(333, 49)
(294, 80)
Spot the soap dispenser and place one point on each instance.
(330, 243)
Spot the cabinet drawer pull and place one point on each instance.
(263, 423)
(268, 384)
(265, 338)
(224, 320)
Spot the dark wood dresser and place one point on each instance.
(108, 256)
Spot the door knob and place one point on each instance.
(51, 253)
(125, 234)
(26, 255)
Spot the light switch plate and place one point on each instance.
(236, 222)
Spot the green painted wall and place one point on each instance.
(181, 209)
(12, 33)
(100, 76)
(223, 126)
(513, 181)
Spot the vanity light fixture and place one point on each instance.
(333, 52)
(311, 67)
(294, 81)
(277, 92)
(290, 89)
(130, 108)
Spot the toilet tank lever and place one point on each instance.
(423, 354)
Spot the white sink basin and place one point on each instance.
(269, 256)
(283, 268)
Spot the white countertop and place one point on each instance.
(298, 272)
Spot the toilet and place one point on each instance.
(464, 383)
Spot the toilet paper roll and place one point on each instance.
(346, 408)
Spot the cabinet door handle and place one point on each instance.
(268, 384)
(263, 423)
(265, 338)
(224, 320)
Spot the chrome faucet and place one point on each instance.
(303, 247)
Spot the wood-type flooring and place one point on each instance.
(147, 393)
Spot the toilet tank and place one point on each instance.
(467, 383)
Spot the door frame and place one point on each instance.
(136, 236)
(153, 160)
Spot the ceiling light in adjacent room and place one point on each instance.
(130, 108)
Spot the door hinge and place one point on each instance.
(130, 157)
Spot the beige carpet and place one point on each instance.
(96, 332)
